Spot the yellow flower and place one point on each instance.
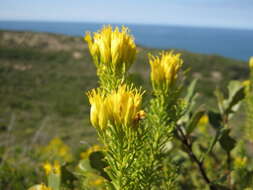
(97, 111)
(113, 49)
(47, 167)
(165, 69)
(203, 120)
(40, 187)
(202, 124)
(52, 168)
(57, 168)
(120, 107)
(251, 63)
(57, 150)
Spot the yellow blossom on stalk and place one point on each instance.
(251, 63)
(120, 107)
(112, 49)
(52, 168)
(47, 167)
(40, 187)
(165, 69)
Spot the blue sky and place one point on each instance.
(212, 13)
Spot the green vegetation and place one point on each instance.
(43, 80)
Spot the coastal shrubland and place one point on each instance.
(161, 119)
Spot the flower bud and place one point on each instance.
(114, 49)
(120, 107)
(165, 70)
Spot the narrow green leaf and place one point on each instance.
(194, 121)
(211, 145)
(220, 98)
(238, 96)
(190, 91)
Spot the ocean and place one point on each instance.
(232, 43)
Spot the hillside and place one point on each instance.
(44, 77)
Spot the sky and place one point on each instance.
(206, 13)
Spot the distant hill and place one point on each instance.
(44, 77)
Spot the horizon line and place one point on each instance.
(130, 23)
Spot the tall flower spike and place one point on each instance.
(120, 107)
(165, 70)
(112, 49)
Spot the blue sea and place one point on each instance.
(233, 43)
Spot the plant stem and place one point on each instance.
(194, 158)
(229, 168)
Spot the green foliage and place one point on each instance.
(43, 93)
(249, 107)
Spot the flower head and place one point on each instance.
(52, 168)
(47, 167)
(165, 69)
(113, 49)
(57, 150)
(120, 107)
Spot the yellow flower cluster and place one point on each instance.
(40, 187)
(52, 168)
(251, 63)
(120, 107)
(57, 150)
(113, 49)
(165, 68)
